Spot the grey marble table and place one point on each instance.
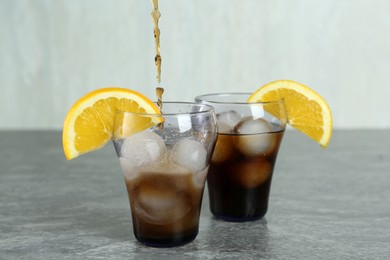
(324, 204)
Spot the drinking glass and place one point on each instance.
(165, 159)
(241, 168)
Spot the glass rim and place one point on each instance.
(199, 99)
(209, 109)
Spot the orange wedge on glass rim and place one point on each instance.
(307, 111)
(89, 123)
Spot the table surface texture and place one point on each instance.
(329, 203)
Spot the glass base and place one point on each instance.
(230, 218)
(177, 240)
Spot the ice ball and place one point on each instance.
(224, 128)
(141, 149)
(199, 178)
(159, 202)
(190, 154)
(227, 120)
(128, 168)
(254, 138)
(251, 174)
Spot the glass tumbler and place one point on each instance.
(241, 168)
(165, 159)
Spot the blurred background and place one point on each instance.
(53, 52)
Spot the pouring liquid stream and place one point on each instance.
(159, 90)
(155, 18)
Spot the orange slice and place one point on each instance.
(307, 111)
(89, 123)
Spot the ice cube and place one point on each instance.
(142, 148)
(251, 174)
(190, 154)
(248, 126)
(254, 138)
(160, 203)
(128, 169)
(227, 120)
(199, 178)
(224, 128)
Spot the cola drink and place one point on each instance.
(165, 159)
(239, 182)
(165, 203)
(242, 165)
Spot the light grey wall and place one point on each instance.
(54, 51)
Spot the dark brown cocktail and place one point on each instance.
(165, 167)
(239, 184)
(249, 136)
(165, 203)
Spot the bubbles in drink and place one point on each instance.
(142, 148)
(190, 154)
(253, 138)
(227, 120)
(166, 165)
